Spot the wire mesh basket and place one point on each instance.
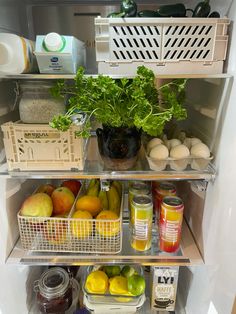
(67, 234)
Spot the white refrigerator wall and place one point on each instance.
(211, 289)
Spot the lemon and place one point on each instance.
(119, 286)
(82, 227)
(97, 282)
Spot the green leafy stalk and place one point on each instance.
(125, 102)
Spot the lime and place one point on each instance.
(136, 285)
(112, 271)
(127, 271)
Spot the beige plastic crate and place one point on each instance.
(40, 147)
(165, 45)
(55, 234)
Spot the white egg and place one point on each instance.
(195, 140)
(200, 150)
(187, 142)
(153, 142)
(173, 142)
(160, 152)
(180, 151)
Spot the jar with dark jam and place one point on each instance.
(54, 291)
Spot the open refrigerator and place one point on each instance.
(207, 259)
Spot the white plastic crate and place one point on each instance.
(165, 45)
(40, 147)
(75, 235)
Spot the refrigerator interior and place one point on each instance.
(209, 207)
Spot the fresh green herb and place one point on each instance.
(122, 102)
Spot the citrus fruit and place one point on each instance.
(112, 271)
(97, 282)
(127, 271)
(107, 228)
(91, 204)
(136, 284)
(118, 285)
(80, 228)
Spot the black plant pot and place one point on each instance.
(119, 147)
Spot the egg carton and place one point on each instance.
(196, 163)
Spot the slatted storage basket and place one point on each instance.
(166, 45)
(40, 147)
(75, 235)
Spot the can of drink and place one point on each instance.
(137, 188)
(141, 222)
(159, 192)
(170, 223)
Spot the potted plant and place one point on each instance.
(124, 107)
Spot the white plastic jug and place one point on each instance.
(16, 54)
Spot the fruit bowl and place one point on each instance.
(107, 297)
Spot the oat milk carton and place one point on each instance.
(164, 287)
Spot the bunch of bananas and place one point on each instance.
(111, 199)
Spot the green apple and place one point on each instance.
(37, 205)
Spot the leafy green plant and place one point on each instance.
(122, 102)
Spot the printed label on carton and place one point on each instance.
(164, 287)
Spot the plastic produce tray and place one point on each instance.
(166, 45)
(40, 147)
(55, 234)
(108, 298)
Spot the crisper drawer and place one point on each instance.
(75, 233)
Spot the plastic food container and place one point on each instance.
(165, 45)
(37, 105)
(16, 54)
(195, 163)
(108, 298)
(40, 147)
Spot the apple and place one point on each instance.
(73, 185)
(46, 188)
(37, 205)
(62, 199)
(55, 232)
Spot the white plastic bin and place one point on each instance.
(165, 45)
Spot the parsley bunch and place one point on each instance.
(122, 102)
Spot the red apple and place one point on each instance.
(62, 199)
(73, 185)
(37, 205)
(46, 188)
(55, 231)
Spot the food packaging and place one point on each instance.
(16, 54)
(59, 54)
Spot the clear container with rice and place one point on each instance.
(37, 105)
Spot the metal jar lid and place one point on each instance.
(139, 188)
(142, 200)
(173, 202)
(53, 283)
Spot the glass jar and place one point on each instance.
(37, 105)
(54, 291)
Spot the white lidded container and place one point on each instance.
(16, 54)
(59, 54)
